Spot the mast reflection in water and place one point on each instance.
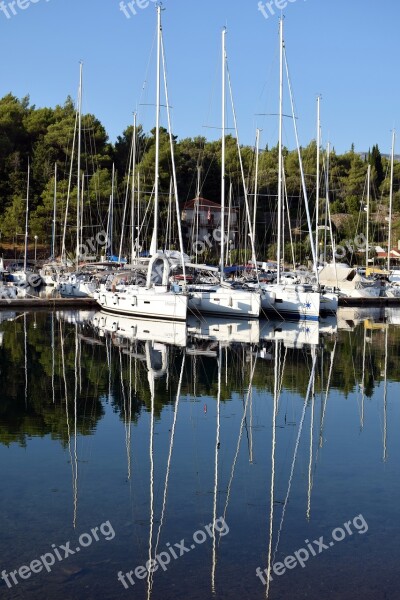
(284, 430)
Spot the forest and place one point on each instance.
(43, 137)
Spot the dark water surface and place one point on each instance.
(238, 447)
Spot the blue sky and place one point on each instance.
(344, 50)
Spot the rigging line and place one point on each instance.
(26, 360)
(130, 429)
(66, 402)
(144, 84)
(385, 400)
(249, 391)
(151, 454)
(251, 422)
(301, 167)
(171, 446)
(109, 365)
(310, 478)
(52, 356)
(174, 175)
(127, 190)
(149, 203)
(359, 386)
(126, 424)
(282, 369)
(352, 358)
(326, 399)
(246, 200)
(288, 216)
(272, 490)
(63, 252)
(248, 433)
(80, 365)
(217, 445)
(363, 381)
(75, 470)
(309, 388)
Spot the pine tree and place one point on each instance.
(375, 160)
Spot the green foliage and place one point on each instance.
(352, 204)
(375, 160)
(45, 137)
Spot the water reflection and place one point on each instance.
(283, 430)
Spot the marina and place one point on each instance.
(199, 300)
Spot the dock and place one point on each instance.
(49, 303)
(377, 302)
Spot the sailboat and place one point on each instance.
(341, 278)
(50, 269)
(280, 299)
(24, 278)
(7, 290)
(157, 298)
(222, 299)
(77, 284)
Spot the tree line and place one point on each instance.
(44, 137)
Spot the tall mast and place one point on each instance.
(78, 191)
(328, 154)
(133, 189)
(198, 192)
(222, 223)
(111, 215)
(108, 237)
(280, 170)
(318, 173)
(228, 233)
(197, 203)
(138, 212)
(53, 235)
(391, 200)
(82, 199)
(368, 198)
(153, 246)
(256, 183)
(27, 216)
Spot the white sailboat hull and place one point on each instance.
(328, 303)
(150, 303)
(360, 292)
(224, 301)
(290, 302)
(48, 280)
(392, 291)
(80, 289)
(8, 292)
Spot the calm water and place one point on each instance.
(236, 446)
